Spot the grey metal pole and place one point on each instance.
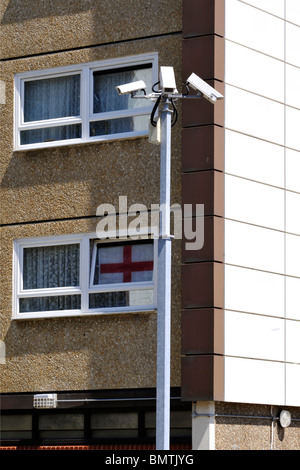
(164, 287)
(164, 242)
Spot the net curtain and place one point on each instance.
(51, 98)
(49, 267)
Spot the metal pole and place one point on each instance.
(164, 287)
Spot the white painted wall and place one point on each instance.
(262, 201)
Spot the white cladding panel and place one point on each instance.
(254, 381)
(262, 201)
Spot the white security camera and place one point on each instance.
(206, 90)
(130, 88)
(167, 80)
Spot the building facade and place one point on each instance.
(78, 310)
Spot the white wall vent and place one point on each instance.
(45, 400)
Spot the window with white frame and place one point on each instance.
(81, 274)
(79, 103)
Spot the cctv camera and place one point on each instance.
(206, 90)
(167, 80)
(130, 88)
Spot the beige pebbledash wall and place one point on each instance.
(80, 353)
(72, 181)
(37, 26)
(57, 191)
(231, 426)
(250, 427)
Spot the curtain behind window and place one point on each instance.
(51, 98)
(48, 267)
(106, 98)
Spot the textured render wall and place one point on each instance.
(44, 187)
(37, 26)
(115, 351)
(262, 200)
(73, 181)
(112, 351)
(248, 427)
(237, 426)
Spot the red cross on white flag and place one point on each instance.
(125, 263)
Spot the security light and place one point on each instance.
(285, 418)
(203, 88)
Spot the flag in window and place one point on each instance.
(118, 263)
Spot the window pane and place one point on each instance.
(61, 425)
(114, 420)
(16, 426)
(16, 422)
(106, 97)
(109, 425)
(52, 98)
(51, 266)
(123, 263)
(119, 126)
(180, 423)
(141, 297)
(51, 134)
(109, 299)
(50, 304)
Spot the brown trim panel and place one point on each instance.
(201, 17)
(98, 398)
(202, 285)
(213, 241)
(204, 187)
(206, 53)
(202, 321)
(203, 378)
(201, 331)
(203, 148)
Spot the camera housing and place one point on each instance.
(204, 88)
(130, 88)
(167, 80)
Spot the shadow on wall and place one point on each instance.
(18, 11)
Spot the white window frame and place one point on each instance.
(85, 287)
(86, 93)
